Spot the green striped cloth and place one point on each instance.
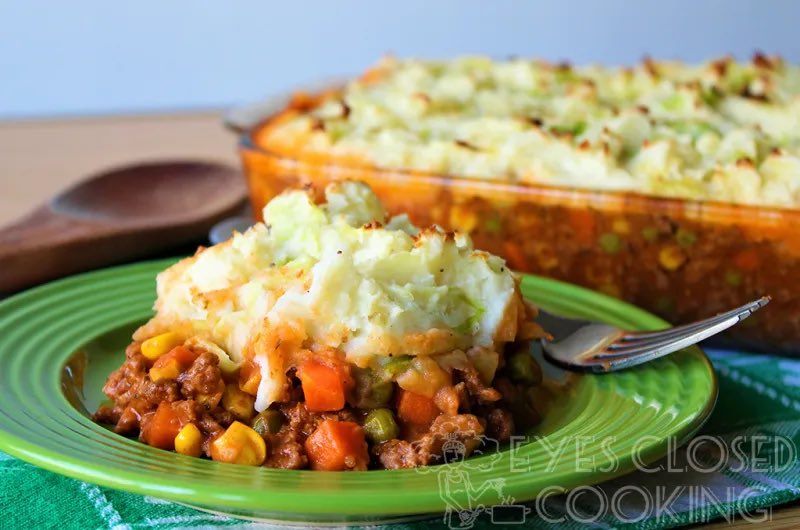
(742, 463)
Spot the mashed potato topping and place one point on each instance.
(337, 276)
(724, 130)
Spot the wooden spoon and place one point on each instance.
(119, 215)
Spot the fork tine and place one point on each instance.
(609, 364)
(743, 312)
(601, 348)
(660, 345)
(694, 332)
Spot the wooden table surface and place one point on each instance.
(39, 158)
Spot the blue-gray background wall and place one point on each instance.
(98, 56)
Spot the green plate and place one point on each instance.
(60, 341)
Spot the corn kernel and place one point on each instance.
(238, 402)
(250, 377)
(733, 278)
(189, 440)
(169, 369)
(251, 384)
(239, 444)
(650, 234)
(671, 257)
(463, 218)
(155, 347)
(425, 377)
(621, 226)
(545, 255)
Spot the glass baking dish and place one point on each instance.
(681, 259)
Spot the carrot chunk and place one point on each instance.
(337, 446)
(582, 222)
(747, 260)
(184, 355)
(515, 256)
(162, 428)
(171, 364)
(416, 409)
(165, 368)
(323, 387)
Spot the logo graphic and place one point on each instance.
(709, 473)
(463, 495)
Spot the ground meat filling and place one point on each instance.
(471, 411)
(136, 397)
(203, 380)
(286, 451)
(476, 388)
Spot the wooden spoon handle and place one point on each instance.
(45, 245)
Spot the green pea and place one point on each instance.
(493, 224)
(371, 390)
(733, 278)
(379, 426)
(380, 393)
(523, 368)
(650, 233)
(685, 238)
(610, 242)
(268, 422)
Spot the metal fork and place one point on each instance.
(596, 347)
